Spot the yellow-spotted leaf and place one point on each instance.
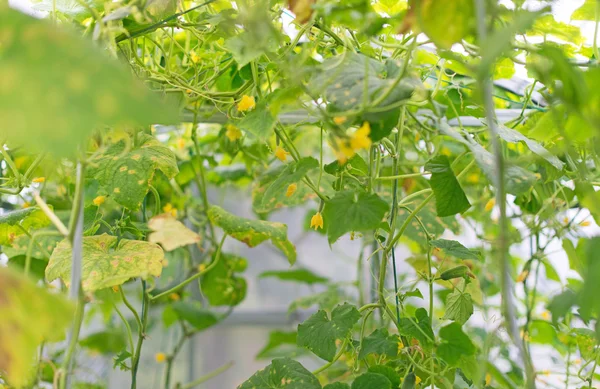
(56, 88)
(30, 316)
(124, 172)
(253, 232)
(170, 233)
(21, 222)
(106, 262)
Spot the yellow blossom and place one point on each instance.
(400, 347)
(545, 315)
(99, 200)
(417, 137)
(445, 151)
(61, 190)
(291, 189)
(473, 178)
(168, 208)
(160, 357)
(360, 139)
(565, 220)
(233, 133)
(174, 297)
(417, 380)
(340, 120)
(522, 276)
(194, 57)
(246, 103)
(577, 361)
(316, 221)
(115, 289)
(39, 180)
(490, 204)
(26, 204)
(180, 143)
(201, 267)
(188, 91)
(488, 379)
(281, 154)
(585, 223)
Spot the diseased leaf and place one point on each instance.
(106, 264)
(170, 233)
(318, 333)
(297, 275)
(513, 136)
(456, 249)
(30, 316)
(450, 199)
(253, 232)
(60, 88)
(350, 211)
(124, 172)
(459, 306)
(379, 342)
(282, 373)
(455, 344)
(302, 193)
(16, 223)
(221, 286)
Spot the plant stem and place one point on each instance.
(195, 276)
(74, 336)
(141, 336)
(207, 377)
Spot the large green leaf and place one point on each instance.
(455, 344)
(319, 333)
(253, 232)
(371, 381)
(446, 22)
(106, 263)
(282, 373)
(456, 249)
(30, 316)
(221, 286)
(379, 342)
(418, 327)
(296, 275)
(57, 88)
(459, 306)
(276, 194)
(352, 211)
(450, 199)
(125, 172)
(22, 221)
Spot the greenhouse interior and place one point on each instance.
(299, 194)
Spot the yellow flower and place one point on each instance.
(26, 204)
(585, 223)
(545, 315)
(521, 277)
(417, 380)
(400, 347)
(168, 208)
(174, 297)
(344, 151)
(445, 151)
(194, 57)
(201, 267)
(39, 180)
(340, 120)
(565, 220)
(577, 361)
(246, 103)
(490, 204)
(99, 200)
(180, 143)
(291, 189)
(160, 357)
(473, 178)
(360, 139)
(417, 137)
(488, 379)
(233, 133)
(61, 190)
(316, 221)
(281, 154)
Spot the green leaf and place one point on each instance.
(459, 306)
(589, 301)
(371, 381)
(455, 344)
(30, 316)
(276, 194)
(259, 122)
(302, 194)
(351, 211)
(450, 199)
(16, 223)
(221, 286)
(195, 315)
(125, 173)
(387, 371)
(282, 373)
(297, 275)
(170, 233)
(106, 342)
(337, 385)
(456, 249)
(446, 22)
(418, 328)
(356, 166)
(106, 264)
(586, 12)
(318, 333)
(514, 136)
(253, 232)
(57, 88)
(276, 340)
(586, 342)
(562, 303)
(379, 342)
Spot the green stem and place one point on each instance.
(157, 204)
(141, 336)
(66, 365)
(127, 327)
(131, 308)
(195, 276)
(207, 377)
(596, 22)
(32, 239)
(401, 176)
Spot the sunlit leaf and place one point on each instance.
(446, 22)
(459, 306)
(170, 233)
(22, 221)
